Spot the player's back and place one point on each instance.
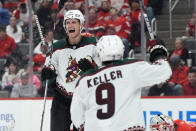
(112, 99)
(110, 96)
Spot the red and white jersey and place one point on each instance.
(7, 45)
(185, 125)
(121, 25)
(103, 16)
(109, 98)
(136, 15)
(128, 18)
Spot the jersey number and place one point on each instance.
(109, 100)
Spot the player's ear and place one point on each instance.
(82, 26)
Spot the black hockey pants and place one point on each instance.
(60, 113)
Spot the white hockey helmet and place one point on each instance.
(110, 47)
(162, 123)
(74, 14)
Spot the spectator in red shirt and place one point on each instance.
(179, 74)
(180, 50)
(104, 13)
(7, 43)
(39, 59)
(122, 28)
(11, 5)
(127, 15)
(136, 12)
(189, 86)
(95, 27)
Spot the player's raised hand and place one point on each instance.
(158, 52)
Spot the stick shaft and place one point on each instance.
(39, 29)
(45, 96)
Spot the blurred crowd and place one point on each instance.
(105, 17)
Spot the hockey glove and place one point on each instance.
(86, 63)
(158, 52)
(48, 73)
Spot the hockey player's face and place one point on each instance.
(72, 27)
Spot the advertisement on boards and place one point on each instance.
(177, 108)
(26, 114)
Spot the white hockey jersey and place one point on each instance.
(64, 60)
(108, 99)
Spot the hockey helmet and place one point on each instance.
(110, 47)
(162, 123)
(74, 14)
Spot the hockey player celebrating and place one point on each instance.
(63, 65)
(108, 98)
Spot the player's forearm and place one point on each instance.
(151, 74)
(162, 71)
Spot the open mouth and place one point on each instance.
(71, 31)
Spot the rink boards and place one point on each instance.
(25, 114)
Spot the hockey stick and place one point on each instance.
(45, 95)
(39, 29)
(46, 86)
(152, 37)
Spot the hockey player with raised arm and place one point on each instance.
(64, 65)
(109, 98)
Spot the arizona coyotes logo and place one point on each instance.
(73, 70)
